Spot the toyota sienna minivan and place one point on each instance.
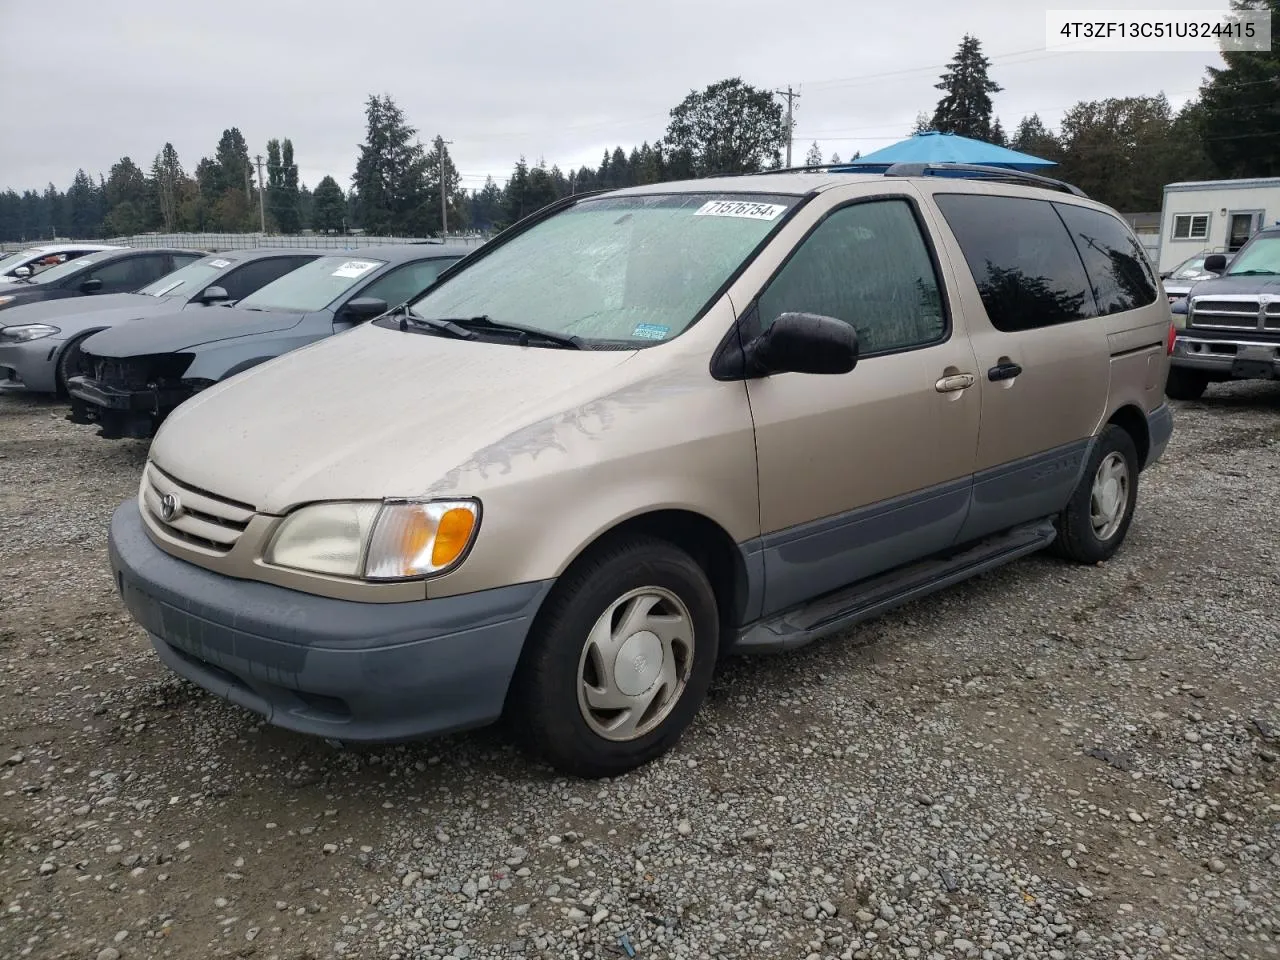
(645, 428)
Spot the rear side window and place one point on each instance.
(865, 264)
(1114, 260)
(1023, 261)
(405, 282)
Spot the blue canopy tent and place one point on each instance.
(935, 147)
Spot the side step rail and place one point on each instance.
(861, 601)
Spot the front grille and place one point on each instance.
(139, 373)
(201, 518)
(1271, 319)
(1236, 314)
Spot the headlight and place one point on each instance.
(391, 540)
(26, 331)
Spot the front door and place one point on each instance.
(864, 471)
(1240, 227)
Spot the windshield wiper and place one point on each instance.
(525, 333)
(1254, 273)
(407, 317)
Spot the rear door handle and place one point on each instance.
(959, 381)
(1004, 371)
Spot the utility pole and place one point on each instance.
(441, 142)
(791, 96)
(262, 210)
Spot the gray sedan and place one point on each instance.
(145, 369)
(40, 342)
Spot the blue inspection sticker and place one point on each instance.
(650, 331)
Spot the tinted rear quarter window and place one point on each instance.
(1023, 261)
(1114, 260)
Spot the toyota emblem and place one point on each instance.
(169, 506)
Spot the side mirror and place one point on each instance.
(803, 343)
(365, 308)
(22, 272)
(1215, 263)
(92, 285)
(1179, 307)
(213, 295)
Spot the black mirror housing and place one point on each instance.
(214, 294)
(365, 308)
(92, 285)
(1215, 263)
(803, 343)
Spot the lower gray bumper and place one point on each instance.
(1247, 358)
(332, 668)
(30, 366)
(1159, 430)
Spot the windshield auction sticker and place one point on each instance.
(354, 268)
(740, 208)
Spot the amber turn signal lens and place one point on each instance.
(452, 536)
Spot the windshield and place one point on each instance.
(1189, 269)
(314, 286)
(1260, 256)
(189, 280)
(17, 259)
(54, 274)
(631, 269)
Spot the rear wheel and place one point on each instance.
(1097, 517)
(619, 660)
(1185, 384)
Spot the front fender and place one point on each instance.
(218, 361)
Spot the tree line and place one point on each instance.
(1121, 151)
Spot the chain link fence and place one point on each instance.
(220, 242)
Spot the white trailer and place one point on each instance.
(1214, 216)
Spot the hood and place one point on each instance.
(175, 330)
(29, 293)
(66, 312)
(374, 412)
(1244, 285)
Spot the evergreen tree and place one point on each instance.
(84, 207)
(282, 187)
(1119, 150)
(835, 158)
(814, 157)
(486, 210)
(167, 179)
(515, 199)
(965, 107)
(1241, 106)
(390, 180)
(729, 127)
(329, 207)
(998, 135)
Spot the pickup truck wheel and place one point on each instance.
(1097, 517)
(70, 362)
(1185, 384)
(619, 659)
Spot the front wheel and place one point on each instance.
(619, 660)
(1097, 517)
(1185, 384)
(71, 362)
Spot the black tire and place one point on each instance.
(1078, 539)
(1185, 384)
(543, 708)
(69, 361)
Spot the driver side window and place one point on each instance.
(866, 264)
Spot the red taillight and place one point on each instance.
(1173, 335)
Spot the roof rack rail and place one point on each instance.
(991, 173)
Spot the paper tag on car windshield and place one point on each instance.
(747, 209)
(650, 331)
(219, 264)
(354, 268)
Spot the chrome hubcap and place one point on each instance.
(1110, 496)
(635, 663)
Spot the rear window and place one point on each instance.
(1023, 261)
(1114, 260)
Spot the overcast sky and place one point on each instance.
(84, 82)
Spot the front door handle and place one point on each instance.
(958, 381)
(1005, 370)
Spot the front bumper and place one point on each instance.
(30, 366)
(1230, 357)
(331, 668)
(121, 411)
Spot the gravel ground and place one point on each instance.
(1051, 761)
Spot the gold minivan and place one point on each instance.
(645, 428)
